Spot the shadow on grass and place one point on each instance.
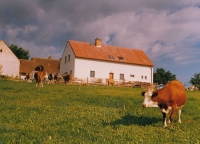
(133, 120)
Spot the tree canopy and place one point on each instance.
(161, 76)
(19, 52)
(195, 80)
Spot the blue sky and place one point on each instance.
(167, 31)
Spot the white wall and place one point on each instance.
(103, 68)
(66, 67)
(10, 63)
(81, 68)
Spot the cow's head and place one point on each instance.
(148, 98)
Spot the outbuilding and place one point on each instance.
(9, 63)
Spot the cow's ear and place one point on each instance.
(155, 94)
(142, 93)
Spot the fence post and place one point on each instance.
(87, 80)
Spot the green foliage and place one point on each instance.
(195, 80)
(93, 114)
(20, 52)
(161, 76)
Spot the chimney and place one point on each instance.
(50, 58)
(98, 42)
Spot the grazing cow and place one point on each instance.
(67, 77)
(171, 97)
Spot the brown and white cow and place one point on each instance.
(39, 77)
(171, 97)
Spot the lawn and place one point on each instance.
(88, 115)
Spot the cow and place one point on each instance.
(55, 78)
(192, 88)
(67, 78)
(39, 68)
(171, 97)
(50, 78)
(39, 77)
(110, 82)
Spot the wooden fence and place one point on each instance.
(116, 82)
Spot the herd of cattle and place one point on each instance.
(169, 98)
(40, 76)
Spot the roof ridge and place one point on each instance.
(106, 45)
(45, 58)
(130, 55)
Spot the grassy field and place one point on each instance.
(93, 114)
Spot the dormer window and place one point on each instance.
(120, 58)
(111, 57)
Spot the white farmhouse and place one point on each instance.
(85, 60)
(9, 63)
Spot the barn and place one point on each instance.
(9, 63)
(98, 61)
(27, 66)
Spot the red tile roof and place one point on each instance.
(90, 51)
(50, 65)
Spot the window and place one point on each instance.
(120, 58)
(111, 57)
(65, 59)
(92, 74)
(145, 77)
(121, 76)
(132, 75)
(68, 58)
(141, 77)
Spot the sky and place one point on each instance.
(168, 31)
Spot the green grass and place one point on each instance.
(93, 114)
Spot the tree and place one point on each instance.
(195, 80)
(19, 52)
(162, 77)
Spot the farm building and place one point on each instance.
(50, 65)
(98, 61)
(9, 63)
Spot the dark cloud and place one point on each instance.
(168, 31)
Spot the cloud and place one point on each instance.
(168, 31)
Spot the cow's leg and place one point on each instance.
(172, 115)
(168, 111)
(169, 117)
(164, 119)
(41, 85)
(179, 115)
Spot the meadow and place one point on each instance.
(65, 114)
